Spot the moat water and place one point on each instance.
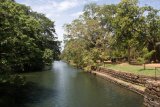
(65, 86)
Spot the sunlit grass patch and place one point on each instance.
(135, 69)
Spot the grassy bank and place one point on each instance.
(149, 71)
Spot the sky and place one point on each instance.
(64, 11)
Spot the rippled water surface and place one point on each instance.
(65, 86)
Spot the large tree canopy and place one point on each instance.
(27, 38)
(109, 31)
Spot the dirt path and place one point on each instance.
(153, 65)
(147, 65)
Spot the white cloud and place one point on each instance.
(67, 4)
(54, 5)
(76, 14)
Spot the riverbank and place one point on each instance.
(136, 88)
(143, 85)
(134, 82)
(131, 81)
(148, 70)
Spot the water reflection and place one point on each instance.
(65, 86)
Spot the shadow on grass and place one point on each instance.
(109, 65)
(19, 96)
(146, 69)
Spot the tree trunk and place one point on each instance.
(144, 65)
(152, 46)
(129, 54)
(155, 53)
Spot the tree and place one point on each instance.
(125, 23)
(112, 31)
(153, 32)
(146, 57)
(25, 36)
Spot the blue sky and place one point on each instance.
(64, 11)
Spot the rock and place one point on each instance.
(152, 94)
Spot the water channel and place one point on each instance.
(65, 86)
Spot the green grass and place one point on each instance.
(149, 71)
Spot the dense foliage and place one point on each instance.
(27, 39)
(106, 32)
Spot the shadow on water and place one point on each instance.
(18, 96)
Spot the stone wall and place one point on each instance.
(136, 88)
(152, 94)
(152, 88)
(133, 78)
